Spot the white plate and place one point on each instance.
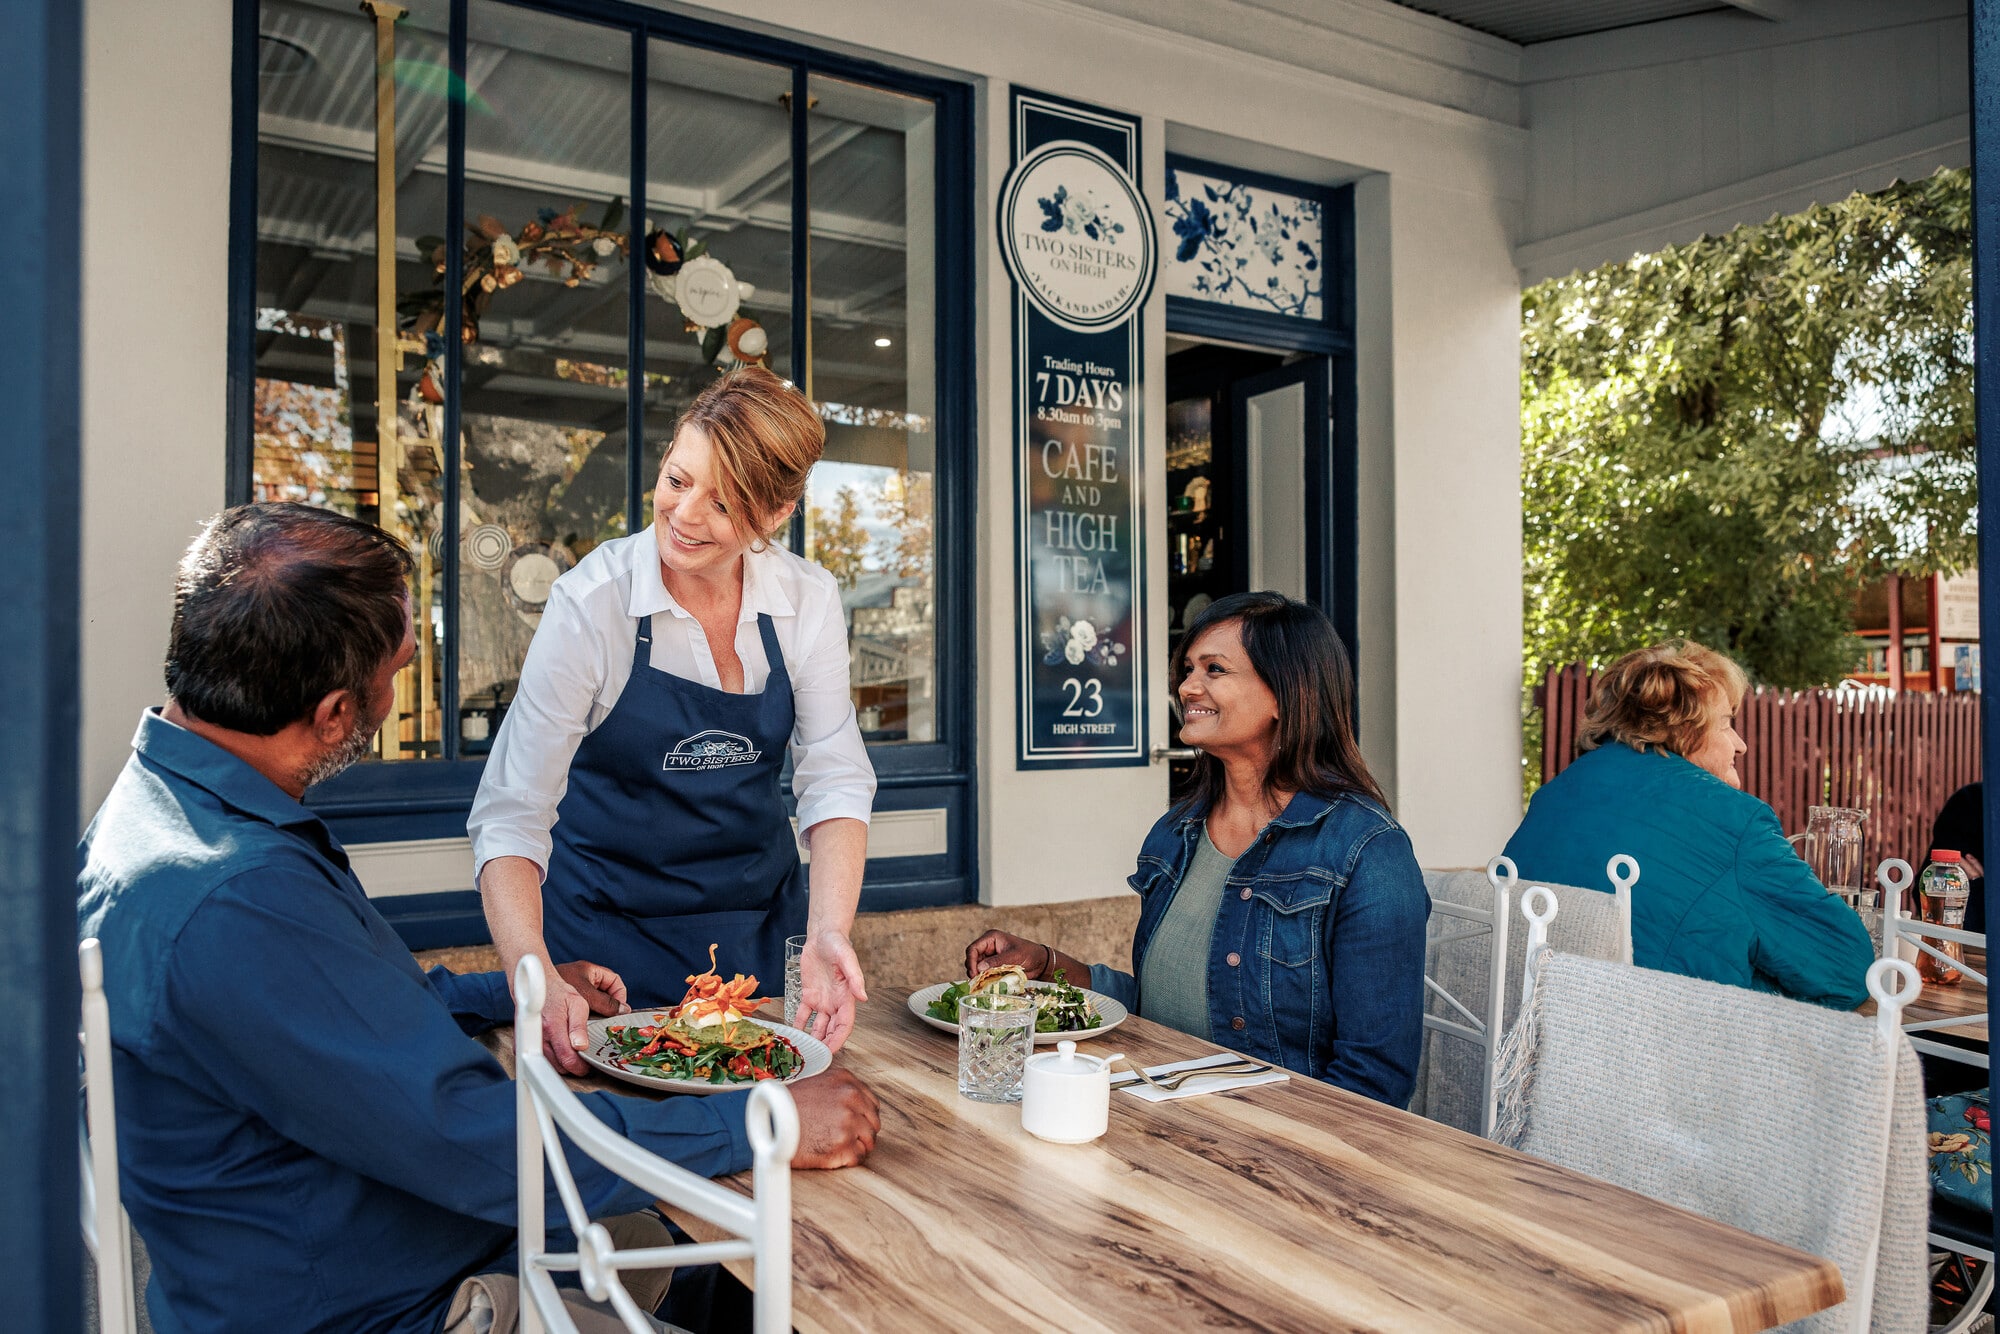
(599, 1053)
(1110, 1011)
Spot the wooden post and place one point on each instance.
(1940, 681)
(388, 349)
(1894, 586)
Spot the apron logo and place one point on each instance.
(711, 750)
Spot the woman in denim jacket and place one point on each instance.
(1282, 912)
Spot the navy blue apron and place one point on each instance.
(672, 835)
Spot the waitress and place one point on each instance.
(630, 813)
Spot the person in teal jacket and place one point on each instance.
(1721, 894)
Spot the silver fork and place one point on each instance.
(1168, 1083)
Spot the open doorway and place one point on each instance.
(1249, 438)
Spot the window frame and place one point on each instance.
(428, 799)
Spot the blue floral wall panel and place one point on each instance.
(1242, 245)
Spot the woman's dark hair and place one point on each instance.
(1298, 654)
(278, 605)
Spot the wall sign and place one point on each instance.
(1078, 239)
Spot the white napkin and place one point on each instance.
(1138, 1087)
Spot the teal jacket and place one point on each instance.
(1721, 895)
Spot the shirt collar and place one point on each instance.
(762, 591)
(1303, 809)
(199, 761)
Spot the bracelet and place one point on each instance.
(1048, 963)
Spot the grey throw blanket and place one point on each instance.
(1758, 1111)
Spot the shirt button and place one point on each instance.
(1234, 958)
(1238, 1024)
(1243, 893)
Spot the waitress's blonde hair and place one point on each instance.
(1663, 698)
(765, 437)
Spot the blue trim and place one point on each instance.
(452, 446)
(436, 921)
(1985, 57)
(241, 348)
(635, 293)
(41, 81)
(801, 241)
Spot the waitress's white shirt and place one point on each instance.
(581, 658)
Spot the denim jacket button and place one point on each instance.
(1238, 1024)
(1234, 958)
(1243, 893)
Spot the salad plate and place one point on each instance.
(605, 1054)
(1109, 1012)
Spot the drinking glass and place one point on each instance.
(795, 948)
(994, 1035)
(1833, 850)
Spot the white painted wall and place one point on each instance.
(1652, 136)
(155, 311)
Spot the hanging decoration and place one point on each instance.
(678, 269)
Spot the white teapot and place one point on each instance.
(1066, 1096)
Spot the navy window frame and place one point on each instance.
(424, 799)
(1331, 482)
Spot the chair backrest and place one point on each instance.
(1901, 933)
(1453, 1073)
(1798, 1123)
(762, 1224)
(106, 1231)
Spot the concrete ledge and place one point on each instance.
(918, 946)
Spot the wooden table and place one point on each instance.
(1964, 999)
(1291, 1206)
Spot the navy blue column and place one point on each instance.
(1986, 389)
(40, 93)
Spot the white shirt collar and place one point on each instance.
(762, 590)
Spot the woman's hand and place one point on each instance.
(997, 949)
(575, 991)
(830, 986)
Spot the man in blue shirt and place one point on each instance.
(309, 1139)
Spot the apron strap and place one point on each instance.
(642, 646)
(774, 659)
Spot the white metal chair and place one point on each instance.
(1488, 920)
(1623, 872)
(761, 1225)
(1898, 931)
(106, 1230)
(1788, 1120)
(1473, 991)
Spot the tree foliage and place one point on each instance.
(836, 539)
(1689, 460)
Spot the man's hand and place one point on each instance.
(997, 949)
(829, 987)
(838, 1120)
(575, 991)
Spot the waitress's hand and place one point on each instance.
(830, 986)
(577, 990)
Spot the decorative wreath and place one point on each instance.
(709, 295)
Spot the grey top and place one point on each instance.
(1173, 977)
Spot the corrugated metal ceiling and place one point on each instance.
(1527, 21)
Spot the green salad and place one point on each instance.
(1059, 1007)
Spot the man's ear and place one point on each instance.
(333, 716)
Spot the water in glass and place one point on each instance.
(795, 948)
(994, 1035)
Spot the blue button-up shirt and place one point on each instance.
(308, 1137)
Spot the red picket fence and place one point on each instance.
(1895, 756)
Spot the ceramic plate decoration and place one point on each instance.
(1108, 1010)
(601, 1054)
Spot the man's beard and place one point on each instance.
(351, 748)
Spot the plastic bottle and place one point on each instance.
(1941, 895)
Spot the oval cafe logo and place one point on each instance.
(1077, 236)
(712, 749)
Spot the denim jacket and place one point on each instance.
(1317, 961)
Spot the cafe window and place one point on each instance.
(611, 215)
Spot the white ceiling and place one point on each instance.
(1530, 21)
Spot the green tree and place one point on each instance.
(1683, 469)
(836, 539)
